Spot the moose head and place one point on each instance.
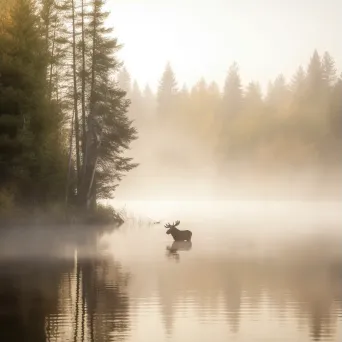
(171, 226)
(178, 235)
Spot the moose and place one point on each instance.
(178, 235)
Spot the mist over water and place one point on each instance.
(178, 178)
(255, 174)
(253, 271)
(264, 261)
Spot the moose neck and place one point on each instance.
(174, 233)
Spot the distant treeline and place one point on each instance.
(63, 122)
(297, 123)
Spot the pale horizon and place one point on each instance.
(265, 38)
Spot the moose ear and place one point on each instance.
(177, 223)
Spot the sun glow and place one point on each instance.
(204, 38)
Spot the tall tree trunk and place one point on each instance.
(87, 167)
(92, 162)
(69, 163)
(47, 12)
(92, 86)
(51, 58)
(83, 75)
(78, 162)
(91, 193)
(57, 90)
(47, 5)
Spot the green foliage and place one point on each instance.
(328, 70)
(38, 96)
(31, 156)
(112, 164)
(109, 131)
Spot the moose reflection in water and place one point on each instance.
(178, 235)
(172, 251)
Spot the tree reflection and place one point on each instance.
(103, 294)
(28, 295)
(63, 299)
(85, 298)
(299, 283)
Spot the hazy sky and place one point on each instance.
(203, 37)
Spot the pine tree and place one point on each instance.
(232, 93)
(54, 33)
(314, 126)
(336, 115)
(314, 78)
(276, 90)
(230, 108)
(253, 98)
(329, 77)
(297, 94)
(113, 163)
(298, 82)
(83, 73)
(278, 96)
(109, 131)
(167, 94)
(31, 153)
(49, 16)
(76, 94)
(328, 70)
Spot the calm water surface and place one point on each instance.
(239, 280)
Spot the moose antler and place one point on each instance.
(168, 225)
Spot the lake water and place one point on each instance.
(244, 277)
